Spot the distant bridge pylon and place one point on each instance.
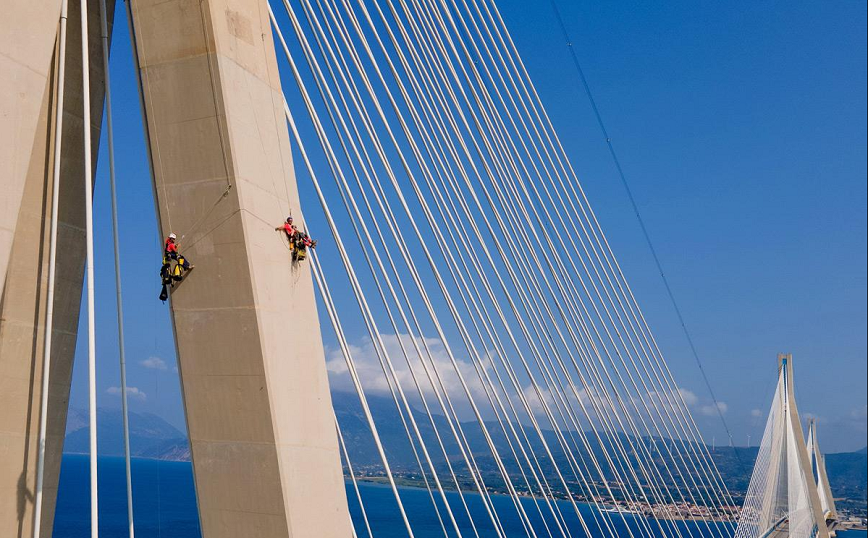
(818, 466)
(783, 498)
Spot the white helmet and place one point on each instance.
(173, 236)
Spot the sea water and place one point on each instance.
(164, 503)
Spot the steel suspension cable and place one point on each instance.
(636, 211)
(374, 333)
(117, 259)
(608, 254)
(542, 439)
(459, 221)
(450, 265)
(505, 168)
(483, 89)
(91, 318)
(447, 414)
(353, 478)
(345, 349)
(498, 92)
(489, 100)
(344, 345)
(369, 240)
(474, 363)
(471, 464)
(52, 271)
(439, 329)
(471, 253)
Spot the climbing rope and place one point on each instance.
(195, 226)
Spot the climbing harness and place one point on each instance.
(299, 244)
(170, 273)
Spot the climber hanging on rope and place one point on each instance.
(169, 273)
(290, 230)
(298, 240)
(171, 252)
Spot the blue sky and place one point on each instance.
(742, 133)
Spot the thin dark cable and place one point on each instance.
(645, 233)
(201, 219)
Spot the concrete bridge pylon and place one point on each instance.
(251, 360)
(28, 102)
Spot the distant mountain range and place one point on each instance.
(152, 437)
(848, 472)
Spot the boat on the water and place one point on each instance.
(617, 509)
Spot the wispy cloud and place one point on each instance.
(756, 413)
(704, 407)
(711, 410)
(370, 371)
(374, 382)
(689, 397)
(154, 363)
(132, 392)
(670, 397)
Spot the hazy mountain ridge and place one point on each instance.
(152, 437)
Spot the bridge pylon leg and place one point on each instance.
(251, 360)
(28, 86)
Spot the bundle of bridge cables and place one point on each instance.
(472, 284)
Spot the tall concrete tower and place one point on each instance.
(255, 388)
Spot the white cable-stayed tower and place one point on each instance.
(782, 498)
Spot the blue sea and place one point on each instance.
(165, 505)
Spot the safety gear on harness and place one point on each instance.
(301, 242)
(171, 273)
